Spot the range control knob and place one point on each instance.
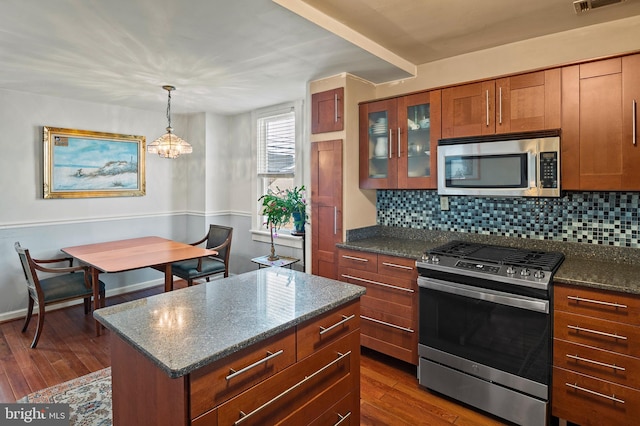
(425, 257)
(538, 274)
(435, 259)
(525, 272)
(511, 270)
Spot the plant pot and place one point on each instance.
(298, 221)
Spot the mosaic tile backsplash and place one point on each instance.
(607, 218)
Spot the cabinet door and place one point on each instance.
(326, 206)
(419, 122)
(469, 110)
(327, 111)
(379, 133)
(528, 102)
(630, 128)
(592, 128)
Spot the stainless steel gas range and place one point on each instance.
(485, 327)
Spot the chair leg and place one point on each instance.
(87, 302)
(40, 325)
(27, 319)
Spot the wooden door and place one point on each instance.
(326, 207)
(592, 141)
(327, 111)
(528, 102)
(630, 117)
(419, 118)
(469, 110)
(379, 132)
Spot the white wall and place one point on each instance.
(182, 196)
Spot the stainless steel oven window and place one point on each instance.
(511, 339)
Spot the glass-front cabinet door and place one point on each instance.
(419, 123)
(379, 144)
(398, 141)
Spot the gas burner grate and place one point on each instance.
(456, 249)
(547, 261)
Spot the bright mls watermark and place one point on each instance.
(34, 414)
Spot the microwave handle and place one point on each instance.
(534, 172)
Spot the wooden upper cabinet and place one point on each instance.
(468, 110)
(599, 151)
(521, 103)
(398, 141)
(528, 102)
(327, 111)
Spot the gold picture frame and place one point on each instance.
(87, 164)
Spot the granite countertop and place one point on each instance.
(185, 329)
(587, 265)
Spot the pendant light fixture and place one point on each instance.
(169, 145)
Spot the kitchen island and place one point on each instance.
(269, 346)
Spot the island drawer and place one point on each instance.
(332, 370)
(613, 306)
(327, 328)
(361, 260)
(608, 335)
(340, 413)
(606, 365)
(219, 381)
(589, 401)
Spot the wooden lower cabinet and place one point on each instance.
(596, 356)
(389, 309)
(309, 374)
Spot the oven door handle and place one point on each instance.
(501, 298)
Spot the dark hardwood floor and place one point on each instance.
(68, 348)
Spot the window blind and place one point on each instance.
(277, 145)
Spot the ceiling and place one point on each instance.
(229, 57)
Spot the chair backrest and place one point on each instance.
(29, 271)
(217, 236)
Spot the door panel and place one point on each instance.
(326, 206)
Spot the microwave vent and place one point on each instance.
(582, 6)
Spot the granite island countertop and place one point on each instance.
(588, 265)
(183, 330)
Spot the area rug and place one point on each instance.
(89, 398)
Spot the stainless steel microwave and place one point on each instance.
(510, 165)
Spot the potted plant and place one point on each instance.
(297, 203)
(275, 207)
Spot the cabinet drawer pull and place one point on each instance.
(335, 107)
(339, 323)
(613, 366)
(359, 259)
(244, 416)
(269, 356)
(342, 418)
(598, 302)
(601, 333)
(388, 324)
(394, 265)
(395, 287)
(611, 398)
(399, 143)
(390, 141)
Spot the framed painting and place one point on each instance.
(86, 164)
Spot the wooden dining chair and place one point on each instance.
(69, 283)
(218, 238)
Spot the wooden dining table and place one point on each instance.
(135, 253)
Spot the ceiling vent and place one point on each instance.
(582, 6)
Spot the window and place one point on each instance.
(278, 141)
